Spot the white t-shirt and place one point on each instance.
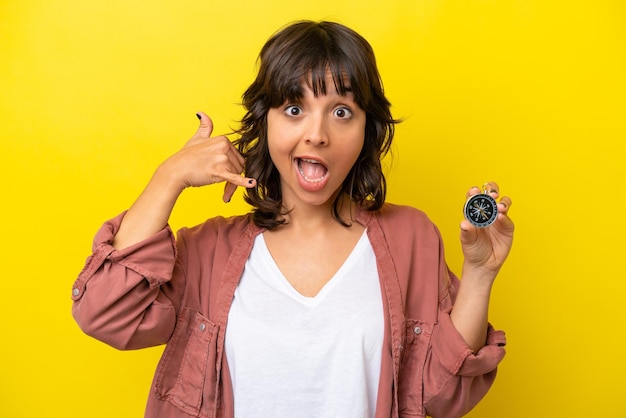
(295, 356)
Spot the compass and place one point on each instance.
(481, 209)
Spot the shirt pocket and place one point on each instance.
(186, 375)
(411, 376)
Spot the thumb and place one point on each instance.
(206, 125)
(468, 233)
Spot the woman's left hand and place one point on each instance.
(485, 249)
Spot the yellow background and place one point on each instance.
(529, 93)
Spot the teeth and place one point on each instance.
(302, 173)
(311, 180)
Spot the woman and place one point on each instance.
(324, 301)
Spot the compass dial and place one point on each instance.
(481, 210)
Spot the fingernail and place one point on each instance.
(250, 181)
(198, 116)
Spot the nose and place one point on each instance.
(316, 131)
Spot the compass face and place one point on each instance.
(481, 210)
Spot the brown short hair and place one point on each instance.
(307, 50)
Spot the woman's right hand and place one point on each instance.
(206, 160)
(202, 161)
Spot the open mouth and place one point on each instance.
(311, 171)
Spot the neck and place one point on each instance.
(309, 217)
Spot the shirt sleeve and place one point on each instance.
(126, 298)
(467, 375)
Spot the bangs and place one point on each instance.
(290, 63)
(315, 76)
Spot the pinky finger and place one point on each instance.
(505, 203)
(230, 188)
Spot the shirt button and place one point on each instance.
(76, 292)
(417, 330)
(202, 327)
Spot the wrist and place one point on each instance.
(479, 277)
(165, 180)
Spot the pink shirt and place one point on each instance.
(178, 292)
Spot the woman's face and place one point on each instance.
(314, 142)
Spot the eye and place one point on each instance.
(343, 113)
(293, 110)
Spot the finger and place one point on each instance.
(466, 226)
(504, 224)
(229, 190)
(492, 188)
(206, 125)
(237, 165)
(469, 233)
(231, 186)
(471, 192)
(235, 158)
(504, 204)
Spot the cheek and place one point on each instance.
(279, 151)
(279, 134)
(351, 155)
(273, 136)
(355, 145)
(276, 145)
